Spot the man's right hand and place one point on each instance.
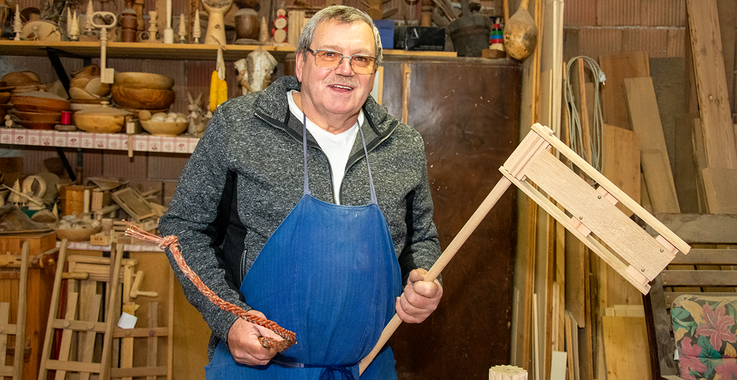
(244, 344)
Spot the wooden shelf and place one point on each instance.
(141, 50)
(104, 141)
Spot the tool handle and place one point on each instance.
(442, 261)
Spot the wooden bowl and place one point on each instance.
(36, 124)
(164, 128)
(20, 78)
(43, 117)
(4, 97)
(82, 234)
(143, 80)
(102, 119)
(39, 101)
(142, 98)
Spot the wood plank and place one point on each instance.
(702, 228)
(699, 278)
(625, 339)
(711, 84)
(714, 256)
(720, 188)
(727, 10)
(642, 103)
(621, 161)
(671, 296)
(618, 67)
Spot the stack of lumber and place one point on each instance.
(566, 299)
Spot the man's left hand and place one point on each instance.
(420, 298)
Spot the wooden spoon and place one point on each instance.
(520, 33)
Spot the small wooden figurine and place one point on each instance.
(153, 29)
(280, 27)
(17, 24)
(168, 32)
(182, 32)
(196, 32)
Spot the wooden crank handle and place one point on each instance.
(499, 189)
(102, 15)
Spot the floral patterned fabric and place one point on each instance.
(704, 329)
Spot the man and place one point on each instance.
(314, 203)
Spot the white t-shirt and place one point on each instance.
(336, 147)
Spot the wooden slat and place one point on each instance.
(671, 296)
(618, 67)
(711, 88)
(707, 256)
(702, 228)
(656, 168)
(699, 278)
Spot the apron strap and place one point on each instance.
(304, 152)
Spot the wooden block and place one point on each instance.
(39, 243)
(720, 188)
(656, 168)
(618, 67)
(625, 341)
(711, 88)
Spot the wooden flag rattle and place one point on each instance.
(588, 212)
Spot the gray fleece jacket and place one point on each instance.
(246, 175)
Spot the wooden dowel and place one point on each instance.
(20, 322)
(499, 189)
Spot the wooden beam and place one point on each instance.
(711, 84)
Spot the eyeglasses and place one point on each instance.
(331, 60)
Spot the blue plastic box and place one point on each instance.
(386, 32)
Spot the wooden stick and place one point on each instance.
(20, 322)
(443, 260)
(110, 320)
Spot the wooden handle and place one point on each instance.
(442, 261)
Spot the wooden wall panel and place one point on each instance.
(653, 41)
(663, 13)
(619, 12)
(467, 111)
(579, 13)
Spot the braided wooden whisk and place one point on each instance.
(172, 243)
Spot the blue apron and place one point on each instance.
(330, 274)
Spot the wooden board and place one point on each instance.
(618, 67)
(625, 341)
(720, 188)
(711, 84)
(727, 10)
(643, 106)
(702, 228)
(621, 161)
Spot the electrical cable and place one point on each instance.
(575, 130)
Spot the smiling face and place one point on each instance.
(333, 98)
